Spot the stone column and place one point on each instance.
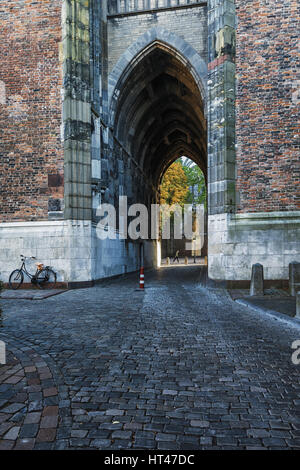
(221, 106)
(77, 109)
(98, 80)
(221, 131)
(298, 305)
(294, 277)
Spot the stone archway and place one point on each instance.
(156, 37)
(157, 102)
(157, 110)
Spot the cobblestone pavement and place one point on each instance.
(181, 366)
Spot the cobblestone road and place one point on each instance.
(179, 367)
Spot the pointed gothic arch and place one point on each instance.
(157, 37)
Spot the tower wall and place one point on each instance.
(267, 106)
(253, 139)
(31, 151)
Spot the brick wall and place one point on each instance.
(267, 107)
(31, 176)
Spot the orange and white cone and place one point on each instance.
(142, 278)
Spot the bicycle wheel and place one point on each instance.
(16, 279)
(46, 278)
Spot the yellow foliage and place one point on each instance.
(174, 186)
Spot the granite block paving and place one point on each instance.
(179, 367)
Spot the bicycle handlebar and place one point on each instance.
(27, 257)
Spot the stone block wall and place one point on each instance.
(189, 23)
(48, 241)
(125, 6)
(237, 241)
(72, 248)
(267, 105)
(32, 160)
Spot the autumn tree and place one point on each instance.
(196, 183)
(183, 183)
(174, 187)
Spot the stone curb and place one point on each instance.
(28, 295)
(294, 322)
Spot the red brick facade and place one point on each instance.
(30, 109)
(268, 152)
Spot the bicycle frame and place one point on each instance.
(24, 270)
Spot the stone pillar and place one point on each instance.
(77, 109)
(2, 353)
(221, 130)
(294, 277)
(257, 280)
(98, 84)
(221, 106)
(298, 305)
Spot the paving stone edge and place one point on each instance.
(294, 322)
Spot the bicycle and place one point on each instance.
(43, 275)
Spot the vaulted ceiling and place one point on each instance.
(160, 114)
